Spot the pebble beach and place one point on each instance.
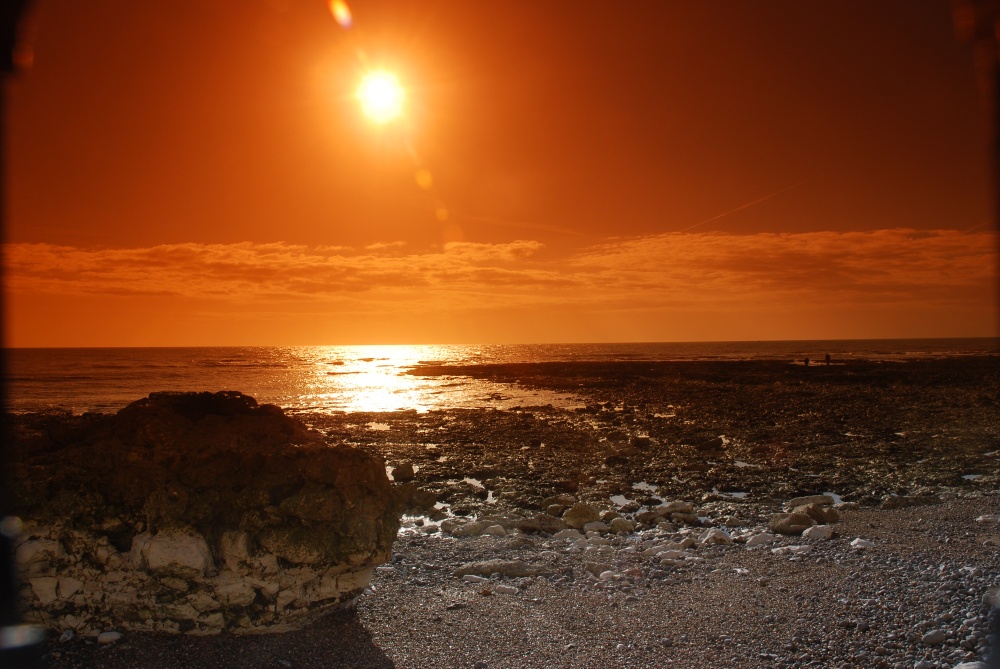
(639, 529)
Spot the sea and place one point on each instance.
(374, 378)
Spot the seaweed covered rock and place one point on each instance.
(194, 512)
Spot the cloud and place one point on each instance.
(898, 266)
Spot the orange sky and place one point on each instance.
(200, 173)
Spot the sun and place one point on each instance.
(381, 96)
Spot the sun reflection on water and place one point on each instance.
(374, 379)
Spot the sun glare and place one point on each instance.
(381, 96)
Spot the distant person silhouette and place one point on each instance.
(806, 362)
(828, 358)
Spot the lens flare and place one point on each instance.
(381, 96)
(424, 178)
(341, 13)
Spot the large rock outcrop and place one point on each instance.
(193, 512)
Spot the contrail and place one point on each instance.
(530, 226)
(743, 206)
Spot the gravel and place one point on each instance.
(919, 595)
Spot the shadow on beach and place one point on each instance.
(339, 641)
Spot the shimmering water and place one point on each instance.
(373, 378)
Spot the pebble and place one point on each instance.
(108, 637)
(818, 532)
(792, 550)
(933, 637)
(862, 543)
(761, 539)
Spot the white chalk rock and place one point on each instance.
(818, 532)
(792, 550)
(862, 543)
(137, 555)
(505, 590)
(38, 549)
(568, 533)
(596, 526)
(495, 530)
(761, 539)
(606, 575)
(472, 578)
(178, 553)
(825, 500)
(108, 637)
(68, 587)
(233, 591)
(234, 549)
(44, 588)
(675, 506)
(622, 525)
(988, 518)
(715, 536)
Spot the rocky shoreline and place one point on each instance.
(644, 529)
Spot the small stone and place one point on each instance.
(579, 515)
(67, 635)
(791, 524)
(108, 637)
(622, 526)
(495, 530)
(792, 550)
(862, 543)
(596, 526)
(568, 534)
(818, 532)
(716, 536)
(933, 638)
(472, 578)
(606, 575)
(505, 590)
(675, 506)
(825, 500)
(760, 539)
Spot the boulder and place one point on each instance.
(208, 496)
